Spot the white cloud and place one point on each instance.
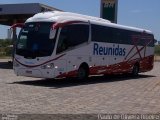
(140, 11)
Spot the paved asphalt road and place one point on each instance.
(112, 94)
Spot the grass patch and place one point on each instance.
(157, 50)
(5, 48)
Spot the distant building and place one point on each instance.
(14, 13)
(19, 13)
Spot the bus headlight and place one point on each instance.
(48, 66)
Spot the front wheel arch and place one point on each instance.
(83, 71)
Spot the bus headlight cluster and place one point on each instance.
(48, 66)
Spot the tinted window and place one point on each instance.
(120, 36)
(110, 35)
(151, 44)
(34, 41)
(102, 34)
(147, 40)
(142, 39)
(72, 35)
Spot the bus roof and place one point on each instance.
(61, 17)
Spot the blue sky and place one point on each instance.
(138, 13)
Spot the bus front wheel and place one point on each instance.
(83, 72)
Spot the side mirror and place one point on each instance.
(11, 30)
(155, 41)
(52, 33)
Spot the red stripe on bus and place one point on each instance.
(57, 25)
(31, 66)
(119, 68)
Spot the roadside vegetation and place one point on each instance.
(157, 50)
(5, 48)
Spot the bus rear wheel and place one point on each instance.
(83, 72)
(135, 70)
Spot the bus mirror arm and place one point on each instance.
(89, 23)
(10, 33)
(155, 41)
(12, 28)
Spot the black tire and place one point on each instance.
(135, 70)
(83, 73)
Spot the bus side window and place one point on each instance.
(77, 34)
(72, 36)
(102, 34)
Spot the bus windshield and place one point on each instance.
(34, 41)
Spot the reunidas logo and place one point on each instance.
(115, 50)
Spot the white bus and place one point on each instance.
(62, 44)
